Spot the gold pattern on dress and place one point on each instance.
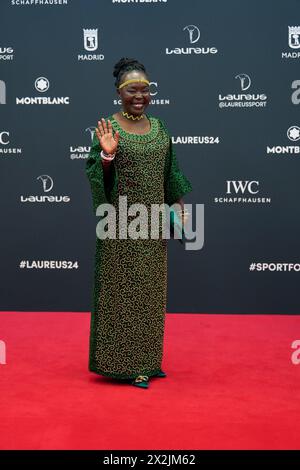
(130, 275)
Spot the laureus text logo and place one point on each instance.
(47, 186)
(193, 34)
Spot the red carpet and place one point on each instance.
(231, 385)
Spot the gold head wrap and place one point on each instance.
(134, 80)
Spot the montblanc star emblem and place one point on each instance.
(293, 133)
(41, 84)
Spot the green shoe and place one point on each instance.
(141, 381)
(161, 374)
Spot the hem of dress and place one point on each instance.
(123, 376)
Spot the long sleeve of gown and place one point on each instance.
(176, 184)
(102, 185)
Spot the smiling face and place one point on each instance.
(136, 95)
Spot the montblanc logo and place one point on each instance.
(295, 97)
(42, 85)
(2, 92)
(293, 134)
(6, 53)
(293, 42)
(80, 152)
(242, 192)
(193, 34)
(47, 185)
(90, 44)
(243, 100)
(4, 144)
(153, 92)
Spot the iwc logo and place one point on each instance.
(242, 192)
(5, 149)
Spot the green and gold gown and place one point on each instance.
(130, 275)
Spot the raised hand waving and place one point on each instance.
(104, 133)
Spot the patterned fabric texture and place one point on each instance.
(130, 275)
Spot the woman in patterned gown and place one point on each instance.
(131, 155)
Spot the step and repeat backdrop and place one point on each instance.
(225, 78)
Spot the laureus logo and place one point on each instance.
(194, 33)
(194, 36)
(91, 130)
(6, 53)
(243, 100)
(90, 39)
(245, 81)
(79, 152)
(47, 182)
(47, 185)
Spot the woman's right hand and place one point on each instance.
(104, 133)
